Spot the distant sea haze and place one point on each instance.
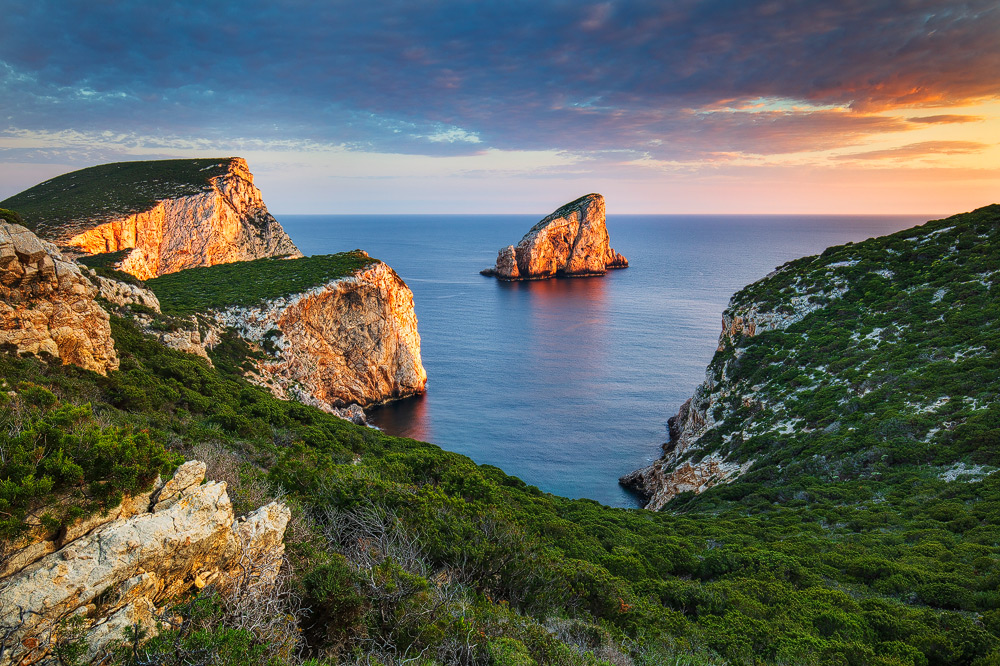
(569, 383)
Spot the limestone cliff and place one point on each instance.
(223, 221)
(117, 571)
(351, 340)
(572, 241)
(47, 305)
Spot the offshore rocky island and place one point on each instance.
(573, 241)
(829, 494)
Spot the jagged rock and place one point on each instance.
(122, 573)
(351, 340)
(572, 241)
(225, 223)
(187, 475)
(192, 335)
(47, 304)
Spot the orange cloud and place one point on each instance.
(922, 149)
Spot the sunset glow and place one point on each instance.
(706, 107)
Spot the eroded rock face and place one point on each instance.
(353, 340)
(122, 571)
(572, 241)
(228, 222)
(664, 480)
(123, 293)
(47, 304)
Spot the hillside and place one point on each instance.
(845, 369)
(399, 552)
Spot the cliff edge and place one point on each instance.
(572, 241)
(171, 214)
(331, 330)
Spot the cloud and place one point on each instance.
(945, 119)
(673, 80)
(917, 150)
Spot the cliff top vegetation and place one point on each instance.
(99, 193)
(250, 282)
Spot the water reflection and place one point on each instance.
(404, 418)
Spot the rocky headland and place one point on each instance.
(351, 340)
(190, 213)
(571, 242)
(331, 331)
(809, 354)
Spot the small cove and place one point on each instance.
(568, 383)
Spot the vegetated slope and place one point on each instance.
(100, 193)
(250, 282)
(402, 551)
(851, 368)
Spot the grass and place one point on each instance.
(72, 201)
(250, 282)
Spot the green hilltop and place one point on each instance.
(250, 282)
(853, 540)
(99, 193)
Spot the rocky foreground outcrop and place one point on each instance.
(118, 571)
(47, 305)
(352, 340)
(572, 241)
(225, 222)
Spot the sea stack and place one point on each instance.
(573, 241)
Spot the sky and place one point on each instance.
(445, 106)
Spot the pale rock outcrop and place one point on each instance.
(192, 335)
(123, 293)
(124, 571)
(226, 222)
(351, 340)
(47, 304)
(663, 480)
(572, 241)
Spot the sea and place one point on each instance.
(568, 383)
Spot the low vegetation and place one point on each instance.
(100, 193)
(400, 552)
(250, 282)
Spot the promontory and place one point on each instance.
(169, 214)
(573, 241)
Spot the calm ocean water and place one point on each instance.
(569, 383)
